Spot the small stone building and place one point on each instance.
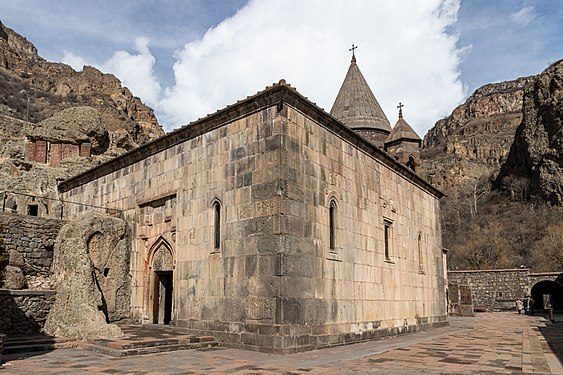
(52, 153)
(274, 226)
(76, 132)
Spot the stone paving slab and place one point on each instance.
(490, 343)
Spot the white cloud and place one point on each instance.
(136, 71)
(524, 16)
(75, 61)
(406, 54)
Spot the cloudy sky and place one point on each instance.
(188, 58)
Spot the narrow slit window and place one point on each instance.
(217, 229)
(332, 214)
(387, 238)
(420, 254)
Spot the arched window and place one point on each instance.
(217, 226)
(412, 163)
(332, 225)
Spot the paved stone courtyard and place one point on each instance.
(499, 343)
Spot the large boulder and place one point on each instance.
(14, 278)
(91, 272)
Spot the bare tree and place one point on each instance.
(480, 188)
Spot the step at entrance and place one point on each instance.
(137, 340)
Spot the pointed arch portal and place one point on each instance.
(161, 296)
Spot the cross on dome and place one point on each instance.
(400, 106)
(353, 54)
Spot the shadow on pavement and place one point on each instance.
(553, 334)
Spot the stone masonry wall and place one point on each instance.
(29, 242)
(356, 286)
(494, 289)
(172, 209)
(24, 311)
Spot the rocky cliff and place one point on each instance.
(475, 139)
(56, 122)
(33, 89)
(513, 128)
(535, 161)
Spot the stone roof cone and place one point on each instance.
(402, 131)
(355, 104)
(403, 143)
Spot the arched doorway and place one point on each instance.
(547, 287)
(161, 294)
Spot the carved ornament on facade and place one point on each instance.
(191, 234)
(387, 204)
(259, 308)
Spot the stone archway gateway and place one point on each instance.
(161, 296)
(544, 288)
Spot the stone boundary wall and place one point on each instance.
(24, 311)
(494, 289)
(29, 243)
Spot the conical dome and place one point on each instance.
(402, 131)
(403, 143)
(356, 106)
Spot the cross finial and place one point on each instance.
(353, 54)
(400, 106)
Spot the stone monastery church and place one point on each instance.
(276, 226)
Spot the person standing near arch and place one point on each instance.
(519, 305)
